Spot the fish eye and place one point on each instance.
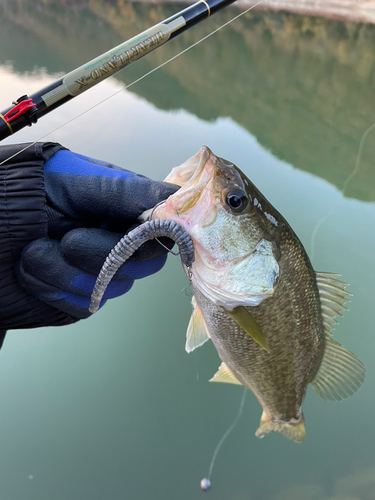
(236, 201)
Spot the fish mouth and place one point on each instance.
(228, 278)
(201, 157)
(187, 172)
(193, 176)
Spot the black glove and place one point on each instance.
(90, 205)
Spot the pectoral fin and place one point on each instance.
(197, 332)
(246, 321)
(224, 375)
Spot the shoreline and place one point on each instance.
(362, 11)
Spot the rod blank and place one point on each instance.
(93, 72)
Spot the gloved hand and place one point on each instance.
(90, 206)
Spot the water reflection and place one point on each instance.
(302, 86)
(111, 407)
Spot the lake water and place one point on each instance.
(112, 407)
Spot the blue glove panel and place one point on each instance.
(81, 189)
(66, 162)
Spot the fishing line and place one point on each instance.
(137, 80)
(206, 482)
(343, 189)
(195, 354)
(176, 254)
(358, 160)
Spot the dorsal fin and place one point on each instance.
(340, 374)
(197, 332)
(224, 375)
(332, 297)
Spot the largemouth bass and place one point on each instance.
(256, 295)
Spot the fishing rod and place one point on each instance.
(27, 110)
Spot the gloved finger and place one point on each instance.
(80, 188)
(75, 305)
(87, 249)
(44, 272)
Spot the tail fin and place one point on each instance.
(294, 431)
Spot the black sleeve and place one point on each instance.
(23, 218)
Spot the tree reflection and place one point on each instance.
(302, 85)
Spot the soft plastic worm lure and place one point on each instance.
(131, 242)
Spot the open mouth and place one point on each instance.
(187, 197)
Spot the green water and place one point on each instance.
(112, 407)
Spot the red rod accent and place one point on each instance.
(19, 109)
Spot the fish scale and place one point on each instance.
(279, 377)
(256, 295)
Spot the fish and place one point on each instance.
(256, 295)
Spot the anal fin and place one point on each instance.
(225, 375)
